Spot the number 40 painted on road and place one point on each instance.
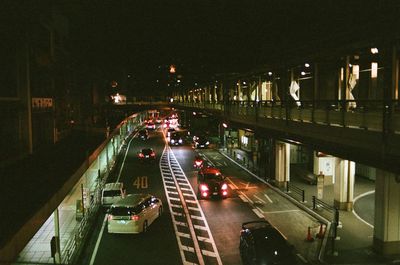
(141, 182)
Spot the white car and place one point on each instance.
(133, 214)
(111, 193)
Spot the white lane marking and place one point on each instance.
(243, 198)
(180, 223)
(208, 253)
(191, 201)
(354, 201)
(96, 248)
(188, 195)
(200, 227)
(212, 242)
(194, 208)
(259, 198)
(232, 183)
(186, 189)
(183, 235)
(257, 212)
(174, 199)
(269, 199)
(284, 211)
(204, 239)
(177, 214)
(196, 217)
(176, 205)
(126, 153)
(170, 156)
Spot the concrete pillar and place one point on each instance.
(282, 163)
(344, 184)
(386, 239)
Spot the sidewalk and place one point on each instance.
(354, 242)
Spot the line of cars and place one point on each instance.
(260, 242)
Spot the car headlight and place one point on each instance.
(180, 141)
(172, 141)
(207, 143)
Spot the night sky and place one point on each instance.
(212, 36)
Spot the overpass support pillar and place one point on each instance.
(282, 163)
(387, 214)
(344, 184)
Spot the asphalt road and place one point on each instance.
(163, 243)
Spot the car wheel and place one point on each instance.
(145, 226)
(160, 209)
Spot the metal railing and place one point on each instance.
(374, 115)
(320, 205)
(294, 192)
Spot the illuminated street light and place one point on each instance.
(172, 69)
(374, 50)
(225, 125)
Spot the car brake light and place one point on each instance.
(110, 217)
(224, 186)
(153, 154)
(224, 193)
(141, 155)
(204, 187)
(204, 194)
(135, 217)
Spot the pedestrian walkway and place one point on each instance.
(353, 244)
(38, 250)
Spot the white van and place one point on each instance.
(112, 193)
(133, 214)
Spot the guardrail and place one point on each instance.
(319, 205)
(293, 190)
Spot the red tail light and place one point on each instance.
(110, 217)
(153, 154)
(135, 217)
(141, 155)
(224, 186)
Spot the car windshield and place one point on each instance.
(111, 193)
(147, 151)
(212, 176)
(124, 211)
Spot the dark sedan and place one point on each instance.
(262, 244)
(147, 154)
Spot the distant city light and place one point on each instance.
(303, 73)
(172, 69)
(307, 65)
(269, 73)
